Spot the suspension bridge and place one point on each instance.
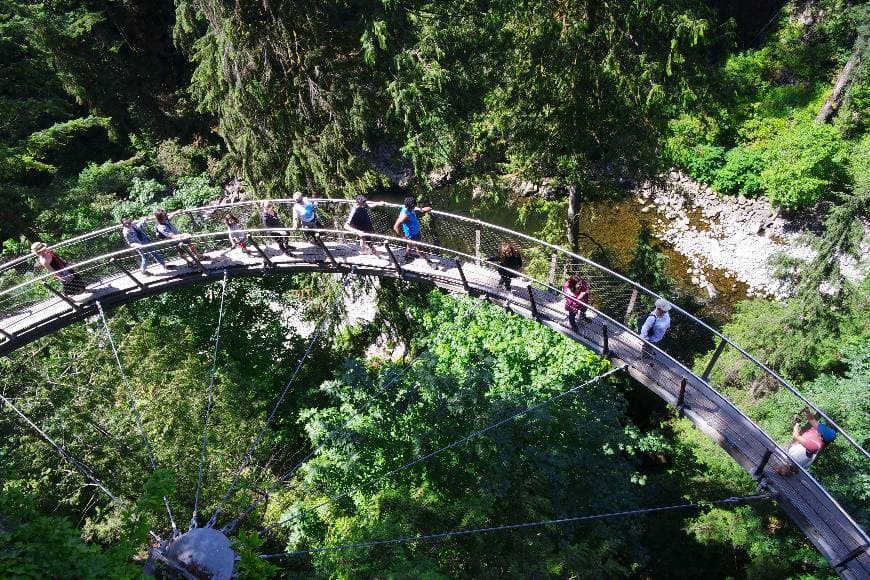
(453, 256)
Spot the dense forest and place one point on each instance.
(111, 109)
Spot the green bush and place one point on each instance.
(803, 164)
(704, 162)
(144, 194)
(109, 177)
(195, 191)
(741, 172)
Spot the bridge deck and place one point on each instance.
(825, 523)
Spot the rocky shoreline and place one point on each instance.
(736, 234)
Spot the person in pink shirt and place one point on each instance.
(807, 443)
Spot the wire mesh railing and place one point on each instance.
(23, 285)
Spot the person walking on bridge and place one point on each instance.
(166, 230)
(655, 326)
(269, 218)
(408, 226)
(576, 290)
(359, 221)
(509, 262)
(135, 237)
(238, 237)
(305, 214)
(70, 281)
(806, 443)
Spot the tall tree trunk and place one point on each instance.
(833, 102)
(572, 220)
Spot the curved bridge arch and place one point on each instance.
(453, 251)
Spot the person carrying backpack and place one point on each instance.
(654, 326)
(305, 214)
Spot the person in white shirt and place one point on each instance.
(655, 326)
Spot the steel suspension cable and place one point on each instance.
(135, 409)
(217, 342)
(455, 443)
(249, 453)
(470, 531)
(371, 400)
(85, 471)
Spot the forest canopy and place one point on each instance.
(112, 109)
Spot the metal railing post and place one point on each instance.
(551, 278)
(183, 248)
(127, 273)
(681, 398)
(393, 259)
(6, 335)
(462, 277)
(477, 244)
(322, 245)
(62, 296)
(266, 261)
(759, 471)
(605, 352)
(532, 302)
(713, 360)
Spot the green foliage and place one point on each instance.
(484, 367)
(741, 172)
(248, 545)
(803, 164)
(36, 546)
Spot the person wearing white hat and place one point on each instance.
(655, 326)
(70, 281)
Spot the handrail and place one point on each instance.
(773, 445)
(482, 225)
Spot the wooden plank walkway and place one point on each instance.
(843, 543)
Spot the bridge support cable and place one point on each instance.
(455, 443)
(246, 459)
(525, 525)
(135, 409)
(217, 342)
(66, 455)
(326, 439)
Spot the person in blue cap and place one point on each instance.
(807, 443)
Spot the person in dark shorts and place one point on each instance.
(408, 226)
(70, 281)
(576, 291)
(166, 230)
(269, 218)
(508, 258)
(359, 220)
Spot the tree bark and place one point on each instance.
(572, 220)
(832, 103)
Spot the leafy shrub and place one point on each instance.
(802, 164)
(144, 193)
(859, 167)
(741, 172)
(173, 159)
(108, 177)
(195, 191)
(704, 162)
